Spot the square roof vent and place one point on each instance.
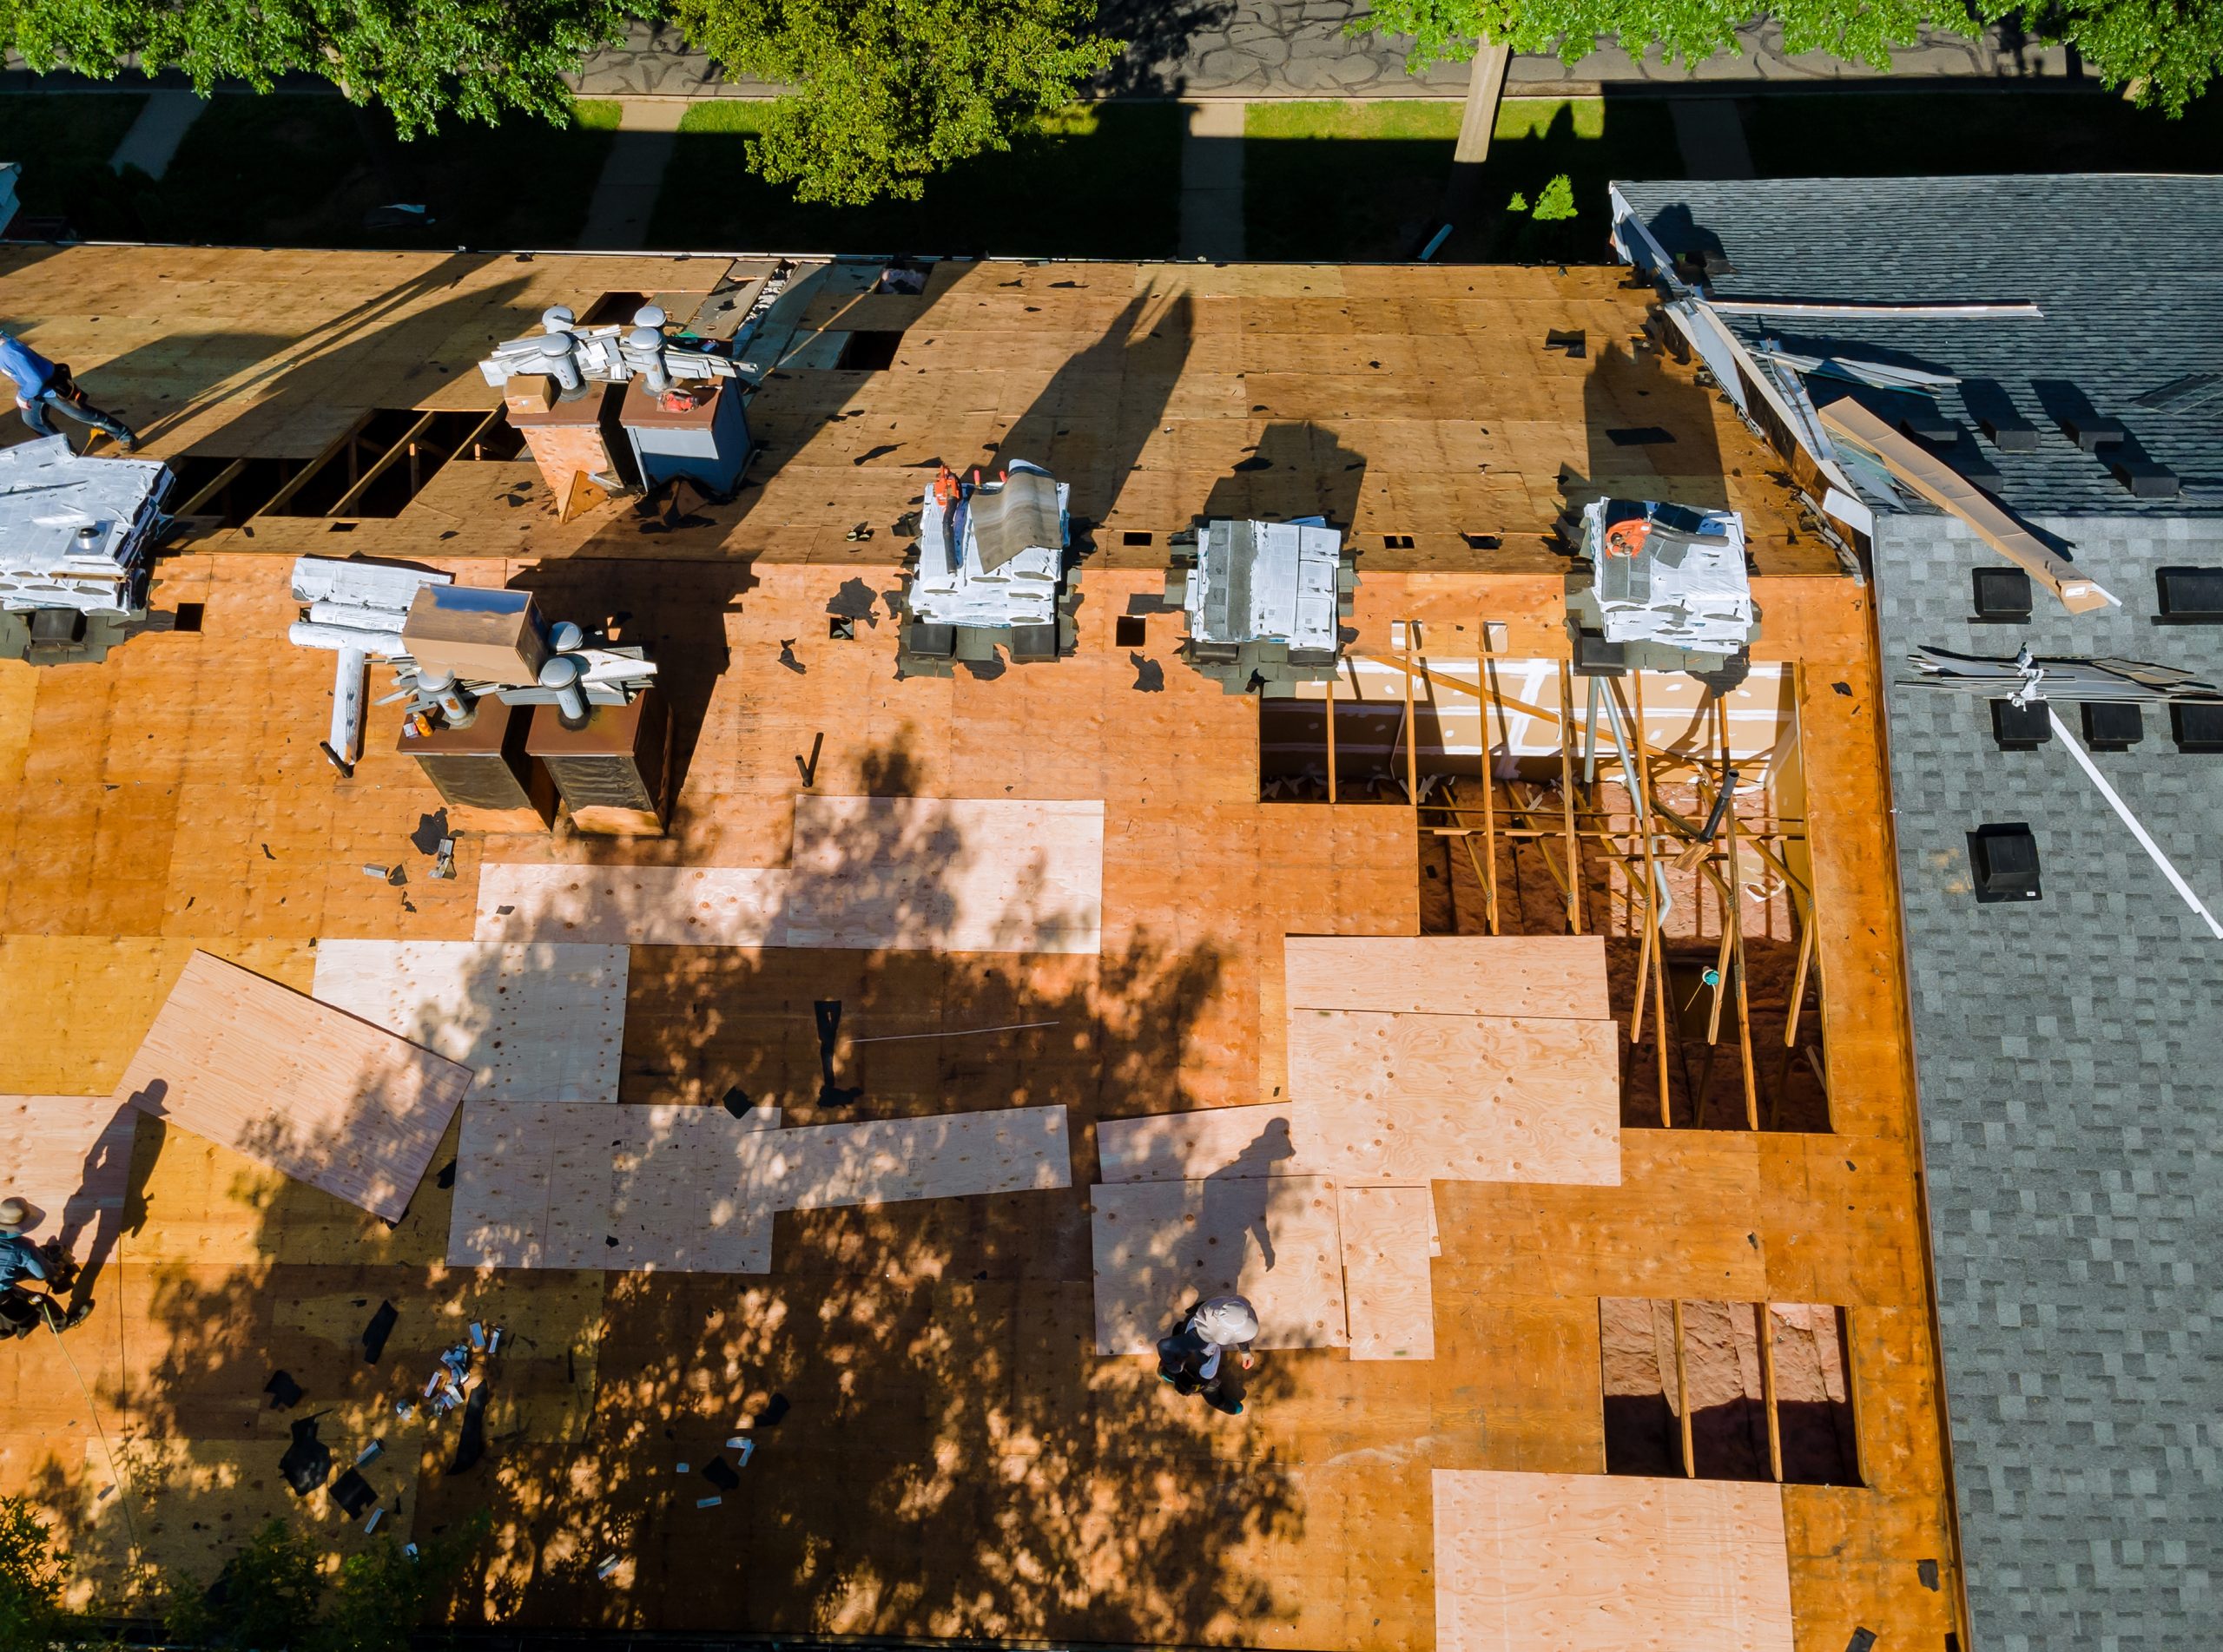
(2002, 596)
(2004, 859)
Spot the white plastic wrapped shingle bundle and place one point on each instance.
(1013, 579)
(76, 532)
(1669, 573)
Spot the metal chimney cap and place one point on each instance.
(650, 315)
(558, 318)
(561, 671)
(565, 636)
(647, 340)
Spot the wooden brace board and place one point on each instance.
(947, 874)
(1160, 1247)
(68, 1158)
(1388, 1290)
(535, 1022)
(305, 1088)
(1411, 1098)
(1582, 1563)
(1560, 976)
(642, 905)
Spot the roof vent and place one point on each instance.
(2004, 859)
(2189, 595)
(2002, 596)
(2021, 728)
(2197, 726)
(2081, 422)
(2112, 725)
(1994, 413)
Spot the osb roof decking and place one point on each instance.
(1414, 402)
(957, 1461)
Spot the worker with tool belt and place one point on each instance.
(42, 387)
(22, 1312)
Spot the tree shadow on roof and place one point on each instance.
(937, 1450)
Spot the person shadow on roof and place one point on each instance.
(1237, 1196)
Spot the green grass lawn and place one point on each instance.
(302, 169)
(1911, 134)
(1366, 180)
(1096, 182)
(64, 141)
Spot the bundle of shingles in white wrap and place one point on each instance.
(76, 532)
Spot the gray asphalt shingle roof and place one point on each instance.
(2069, 1050)
(2070, 1060)
(2127, 270)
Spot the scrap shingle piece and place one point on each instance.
(305, 1088)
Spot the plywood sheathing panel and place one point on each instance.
(956, 875)
(68, 1158)
(1161, 1247)
(695, 1189)
(1252, 1141)
(295, 1084)
(1416, 1097)
(631, 1189)
(1457, 974)
(952, 875)
(541, 1022)
(824, 1166)
(1387, 1288)
(1603, 1563)
(648, 905)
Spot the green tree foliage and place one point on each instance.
(888, 92)
(272, 1596)
(1555, 201)
(420, 59)
(264, 1600)
(2164, 51)
(31, 1575)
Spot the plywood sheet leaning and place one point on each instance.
(947, 874)
(1387, 1292)
(941, 1156)
(1160, 1247)
(308, 1089)
(642, 905)
(534, 1021)
(1253, 1141)
(1582, 1563)
(68, 1158)
(1413, 1098)
(1558, 976)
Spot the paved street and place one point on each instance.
(1267, 48)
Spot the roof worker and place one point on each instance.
(1194, 1358)
(43, 387)
(22, 1258)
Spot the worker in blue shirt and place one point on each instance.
(42, 387)
(22, 1258)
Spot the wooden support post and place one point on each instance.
(1412, 730)
(1658, 947)
(1734, 895)
(1332, 677)
(1566, 802)
(1683, 1397)
(1766, 1317)
(1485, 703)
